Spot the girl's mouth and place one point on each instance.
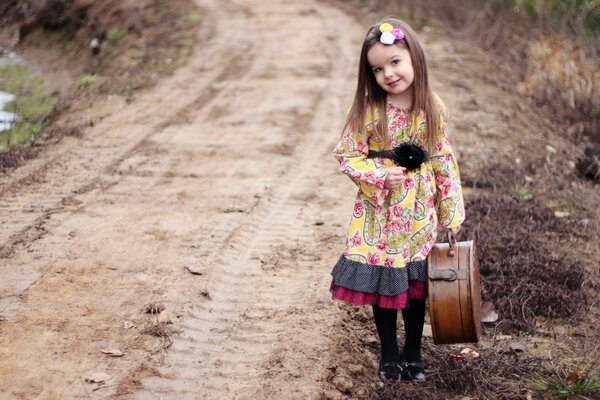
(394, 83)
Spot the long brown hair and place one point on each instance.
(370, 96)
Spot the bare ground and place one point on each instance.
(224, 169)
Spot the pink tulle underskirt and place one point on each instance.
(416, 290)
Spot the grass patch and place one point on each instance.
(115, 34)
(568, 385)
(86, 80)
(522, 194)
(32, 104)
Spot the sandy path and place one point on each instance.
(224, 167)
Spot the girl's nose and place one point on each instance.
(388, 71)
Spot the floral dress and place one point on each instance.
(392, 231)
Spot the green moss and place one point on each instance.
(26, 131)
(33, 103)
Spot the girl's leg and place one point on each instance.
(414, 318)
(386, 321)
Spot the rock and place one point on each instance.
(113, 352)
(128, 324)
(194, 269)
(166, 317)
(98, 377)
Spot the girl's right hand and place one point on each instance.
(394, 177)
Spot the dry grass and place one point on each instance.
(161, 330)
(552, 45)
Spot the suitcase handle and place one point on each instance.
(451, 243)
(448, 274)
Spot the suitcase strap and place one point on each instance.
(448, 274)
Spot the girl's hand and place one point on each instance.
(394, 177)
(455, 231)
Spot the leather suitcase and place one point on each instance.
(454, 294)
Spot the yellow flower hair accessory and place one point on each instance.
(385, 27)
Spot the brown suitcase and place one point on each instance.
(454, 292)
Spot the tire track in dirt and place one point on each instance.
(45, 186)
(220, 168)
(231, 342)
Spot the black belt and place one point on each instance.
(409, 156)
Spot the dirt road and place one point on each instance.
(223, 169)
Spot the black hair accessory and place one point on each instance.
(409, 156)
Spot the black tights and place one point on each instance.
(386, 320)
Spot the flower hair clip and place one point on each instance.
(389, 34)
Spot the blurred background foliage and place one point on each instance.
(552, 45)
(32, 103)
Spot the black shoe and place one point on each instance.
(389, 371)
(412, 371)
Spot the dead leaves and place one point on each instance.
(465, 354)
(514, 347)
(488, 312)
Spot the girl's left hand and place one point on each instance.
(455, 231)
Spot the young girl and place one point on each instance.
(395, 148)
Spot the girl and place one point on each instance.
(395, 148)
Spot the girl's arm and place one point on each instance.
(351, 152)
(448, 198)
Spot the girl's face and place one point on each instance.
(393, 71)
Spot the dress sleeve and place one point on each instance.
(448, 198)
(351, 152)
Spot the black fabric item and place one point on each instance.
(386, 320)
(406, 155)
(414, 318)
(367, 278)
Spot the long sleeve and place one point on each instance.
(448, 198)
(351, 152)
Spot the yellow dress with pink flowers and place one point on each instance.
(392, 231)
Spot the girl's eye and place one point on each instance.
(376, 70)
(395, 62)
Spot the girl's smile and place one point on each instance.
(392, 67)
